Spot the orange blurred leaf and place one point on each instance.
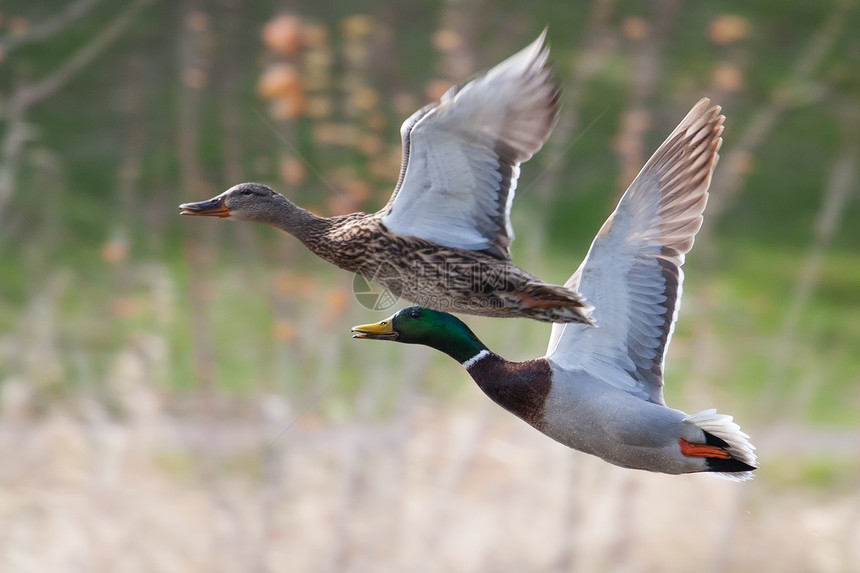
(330, 133)
(370, 144)
(364, 98)
(727, 77)
(114, 251)
(293, 171)
(285, 330)
(287, 284)
(279, 80)
(339, 205)
(447, 40)
(635, 28)
(728, 28)
(435, 89)
(289, 107)
(338, 299)
(18, 26)
(194, 78)
(124, 307)
(356, 26)
(284, 34)
(358, 190)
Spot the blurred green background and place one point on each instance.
(208, 365)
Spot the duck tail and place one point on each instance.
(721, 431)
(555, 303)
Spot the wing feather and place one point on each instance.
(632, 273)
(462, 155)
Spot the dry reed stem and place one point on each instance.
(479, 493)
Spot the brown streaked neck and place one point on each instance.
(521, 388)
(297, 221)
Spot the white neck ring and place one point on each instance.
(474, 359)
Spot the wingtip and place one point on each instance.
(537, 51)
(704, 106)
(541, 39)
(703, 110)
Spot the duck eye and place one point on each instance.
(415, 314)
(247, 192)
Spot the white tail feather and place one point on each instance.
(723, 427)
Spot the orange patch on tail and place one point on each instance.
(702, 450)
(533, 302)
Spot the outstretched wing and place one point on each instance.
(462, 155)
(632, 273)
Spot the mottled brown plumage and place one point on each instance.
(444, 278)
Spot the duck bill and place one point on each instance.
(378, 331)
(211, 208)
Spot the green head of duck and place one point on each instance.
(436, 329)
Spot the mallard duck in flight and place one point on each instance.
(443, 240)
(600, 390)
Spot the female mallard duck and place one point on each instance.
(443, 240)
(600, 390)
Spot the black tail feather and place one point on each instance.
(723, 465)
(730, 465)
(712, 440)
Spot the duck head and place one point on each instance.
(246, 202)
(418, 325)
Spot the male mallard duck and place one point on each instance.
(443, 240)
(600, 390)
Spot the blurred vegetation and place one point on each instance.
(124, 110)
